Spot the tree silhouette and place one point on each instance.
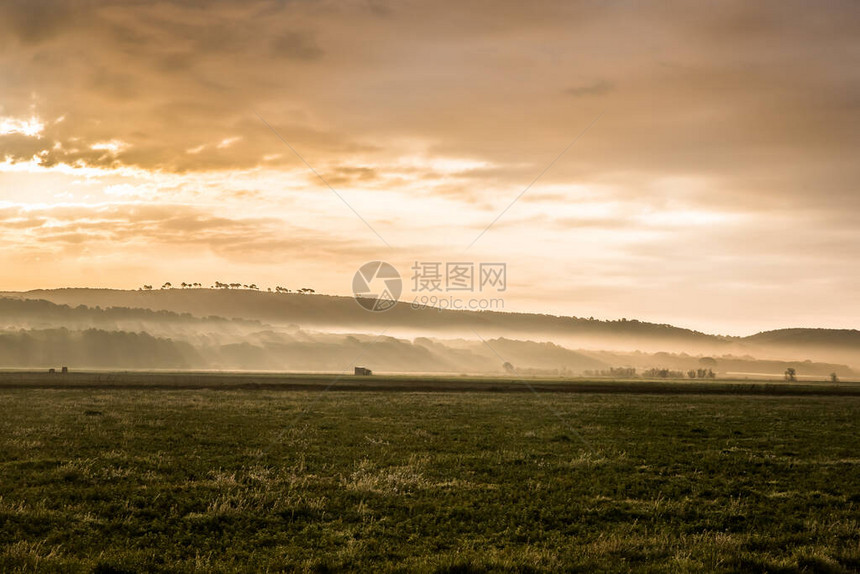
(167, 285)
(790, 374)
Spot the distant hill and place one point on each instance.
(324, 311)
(46, 311)
(93, 348)
(100, 349)
(231, 329)
(849, 338)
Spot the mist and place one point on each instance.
(203, 329)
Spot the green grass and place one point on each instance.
(243, 480)
(190, 380)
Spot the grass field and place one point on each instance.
(201, 480)
(101, 380)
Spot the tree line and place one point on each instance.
(220, 285)
(654, 373)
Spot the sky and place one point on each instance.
(677, 162)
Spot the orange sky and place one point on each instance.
(718, 189)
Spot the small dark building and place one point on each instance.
(363, 372)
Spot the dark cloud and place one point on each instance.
(296, 45)
(35, 21)
(716, 88)
(598, 88)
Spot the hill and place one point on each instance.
(333, 312)
(248, 330)
(833, 338)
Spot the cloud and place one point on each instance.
(31, 127)
(296, 45)
(112, 227)
(744, 111)
(339, 80)
(36, 22)
(598, 88)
